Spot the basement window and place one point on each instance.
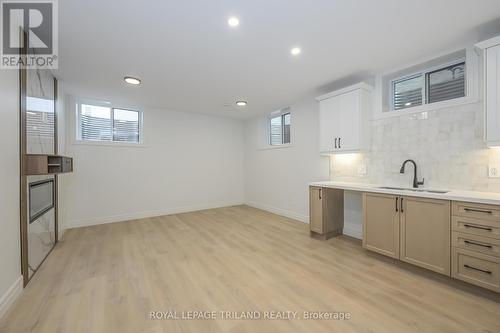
(437, 84)
(279, 127)
(103, 123)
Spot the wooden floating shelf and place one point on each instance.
(47, 164)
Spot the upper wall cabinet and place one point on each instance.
(344, 119)
(491, 49)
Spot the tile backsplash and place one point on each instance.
(447, 145)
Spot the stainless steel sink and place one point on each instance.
(412, 189)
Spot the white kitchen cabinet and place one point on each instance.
(344, 119)
(491, 49)
(329, 125)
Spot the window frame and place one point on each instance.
(280, 113)
(112, 108)
(423, 74)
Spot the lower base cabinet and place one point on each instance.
(326, 212)
(414, 230)
(425, 233)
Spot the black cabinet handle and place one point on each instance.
(339, 143)
(335, 143)
(397, 204)
(478, 211)
(402, 205)
(477, 227)
(477, 269)
(478, 244)
(319, 192)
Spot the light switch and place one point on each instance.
(494, 171)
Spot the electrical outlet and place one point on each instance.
(494, 171)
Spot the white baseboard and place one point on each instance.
(61, 233)
(145, 214)
(279, 211)
(10, 296)
(350, 229)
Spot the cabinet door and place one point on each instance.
(315, 209)
(493, 95)
(425, 233)
(329, 123)
(381, 223)
(350, 120)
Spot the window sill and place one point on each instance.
(269, 147)
(109, 144)
(427, 107)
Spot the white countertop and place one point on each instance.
(492, 198)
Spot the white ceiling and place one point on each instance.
(189, 59)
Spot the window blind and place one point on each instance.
(276, 134)
(95, 122)
(446, 83)
(408, 92)
(95, 128)
(286, 128)
(280, 129)
(126, 125)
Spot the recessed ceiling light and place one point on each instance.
(132, 80)
(295, 51)
(241, 103)
(233, 22)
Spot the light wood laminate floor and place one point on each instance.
(108, 278)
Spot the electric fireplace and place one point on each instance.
(41, 198)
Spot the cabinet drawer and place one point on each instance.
(484, 245)
(476, 268)
(476, 211)
(476, 227)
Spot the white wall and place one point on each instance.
(190, 161)
(276, 179)
(10, 257)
